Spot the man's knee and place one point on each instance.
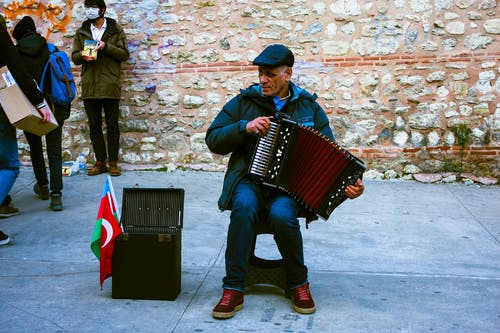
(283, 219)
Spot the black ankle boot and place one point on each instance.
(56, 202)
(41, 191)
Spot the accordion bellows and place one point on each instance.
(307, 165)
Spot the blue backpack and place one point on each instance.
(63, 88)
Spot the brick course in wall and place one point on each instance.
(396, 78)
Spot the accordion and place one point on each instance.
(307, 165)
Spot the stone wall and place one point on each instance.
(409, 85)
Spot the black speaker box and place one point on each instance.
(147, 256)
(147, 266)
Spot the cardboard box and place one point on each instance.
(21, 113)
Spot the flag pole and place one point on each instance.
(113, 197)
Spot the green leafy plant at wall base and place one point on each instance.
(462, 133)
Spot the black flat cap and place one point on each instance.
(275, 55)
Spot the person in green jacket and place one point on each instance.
(101, 82)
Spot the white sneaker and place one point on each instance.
(4, 239)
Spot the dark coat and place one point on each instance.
(32, 48)
(9, 56)
(34, 54)
(101, 78)
(227, 133)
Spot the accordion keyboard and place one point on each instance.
(264, 151)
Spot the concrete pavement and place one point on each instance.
(404, 257)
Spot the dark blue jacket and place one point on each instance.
(227, 133)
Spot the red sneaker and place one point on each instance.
(302, 299)
(230, 302)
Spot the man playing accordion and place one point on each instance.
(235, 131)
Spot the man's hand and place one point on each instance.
(259, 126)
(100, 45)
(86, 57)
(355, 190)
(46, 114)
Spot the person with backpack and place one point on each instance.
(9, 159)
(101, 81)
(34, 54)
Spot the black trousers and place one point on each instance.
(94, 108)
(54, 152)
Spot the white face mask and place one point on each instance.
(92, 12)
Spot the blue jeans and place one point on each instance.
(250, 201)
(9, 159)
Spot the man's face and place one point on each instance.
(93, 12)
(274, 80)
